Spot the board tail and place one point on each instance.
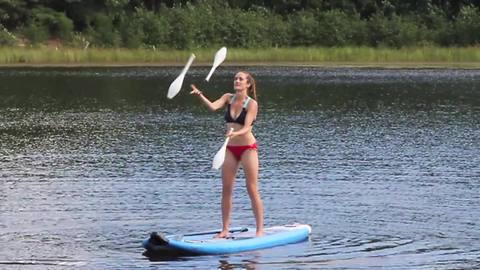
(158, 239)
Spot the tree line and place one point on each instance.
(185, 24)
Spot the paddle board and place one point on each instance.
(239, 240)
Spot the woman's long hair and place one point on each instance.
(252, 90)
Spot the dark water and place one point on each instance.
(384, 164)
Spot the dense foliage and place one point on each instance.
(183, 24)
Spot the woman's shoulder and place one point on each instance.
(228, 95)
(252, 103)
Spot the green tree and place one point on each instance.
(244, 23)
(101, 31)
(303, 25)
(336, 28)
(6, 38)
(131, 30)
(181, 33)
(13, 13)
(36, 33)
(393, 32)
(277, 31)
(155, 28)
(467, 26)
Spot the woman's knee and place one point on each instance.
(227, 189)
(252, 189)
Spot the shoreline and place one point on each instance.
(318, 57)
(364, 65)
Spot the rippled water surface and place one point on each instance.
(384, 164)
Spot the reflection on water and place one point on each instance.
(382, 163)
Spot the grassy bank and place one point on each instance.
(348, 56)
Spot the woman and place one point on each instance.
(242, 148)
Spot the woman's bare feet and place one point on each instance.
(259, 233)
(222, 234)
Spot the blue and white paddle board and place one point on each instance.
(239, 240)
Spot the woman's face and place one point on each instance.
(240, 82)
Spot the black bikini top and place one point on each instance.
(241, 117)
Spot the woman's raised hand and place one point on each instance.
(195, 90)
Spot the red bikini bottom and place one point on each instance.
(238, 150)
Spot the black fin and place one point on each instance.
(158, 239)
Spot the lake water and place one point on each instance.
(383, 164)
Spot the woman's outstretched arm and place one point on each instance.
(213, 106)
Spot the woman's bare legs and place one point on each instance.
(229, 171)
(250, 167)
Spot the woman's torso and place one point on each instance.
(235, 115)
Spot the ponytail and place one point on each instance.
(252, 90)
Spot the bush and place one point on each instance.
(267, 29)
(79, 41)
(6, 38)
(181, 33)
(393, 32)
(249, 30)
(62, 27)
(277, 31)
(36, 33)
(155, 29)
(303, 26)
(467, 26)
(56, 23)
(131, 30)
(336, 28)
(206, 26)
(101, 31)
(189, 24)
